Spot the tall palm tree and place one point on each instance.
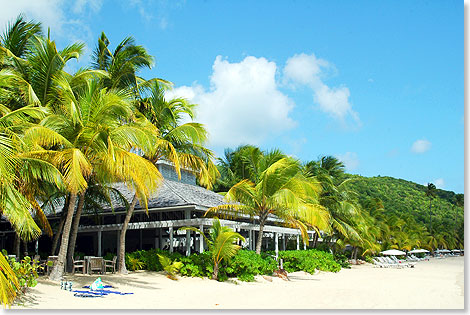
(280, 190)
(100, 128)
(179, 143)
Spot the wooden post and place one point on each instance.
(170, 231)
(99, 243)
(276, 244)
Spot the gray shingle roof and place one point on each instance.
(173, 194)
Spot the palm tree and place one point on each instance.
(221, 242)
(180, 143)
(430, 193)
(100, 127)
(280, 190)
(122, 64)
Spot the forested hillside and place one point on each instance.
(404, 198)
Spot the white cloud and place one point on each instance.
(350, 160)
(440, 183)
(243, 103)
(65, 19)
(48, 12)
(420, 146)
(309, 70)
(80, 5)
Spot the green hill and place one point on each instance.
(406, 198)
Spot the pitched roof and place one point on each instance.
(172, 194)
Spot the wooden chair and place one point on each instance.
(110, 264)
(78, 264)
(96, 264)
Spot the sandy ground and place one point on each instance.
(434, 284)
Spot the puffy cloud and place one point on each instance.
(350, 160)
(49, 12)
(308, 70)
(80, 5)
(65, 18)
(420, 146)
(243, 103)
(440, 183)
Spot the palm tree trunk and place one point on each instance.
(259, 241)
(430, 217)
(122, 238)
(58, 270)
(55, 241)
(74, 232)
(315, 239)
(215, 274)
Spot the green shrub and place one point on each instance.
(342, 260)
(149, 258)
(25, 271)
(246, 264)
(309, 261)
(198, 265)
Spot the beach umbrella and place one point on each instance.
(393, 252)
(418, 251)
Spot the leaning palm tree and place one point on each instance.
(179, 143)
(281, 190)
(100, 128)
(221, 242)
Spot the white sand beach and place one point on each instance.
(434, 284)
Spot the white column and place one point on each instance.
(305, 245)
(298, 242)
(160, 239)
(283, 241)
(188, 243)
(201, 239)
(36, 247)
(99, 242)
(170, 231)
(276, 244)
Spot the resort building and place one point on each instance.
(177, 203)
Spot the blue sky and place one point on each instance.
(378, 84)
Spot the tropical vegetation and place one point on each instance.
(67, 137)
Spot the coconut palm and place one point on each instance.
(280, 190)
(221, 242)
(179, 143)
(100, 128)
(122, 64)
